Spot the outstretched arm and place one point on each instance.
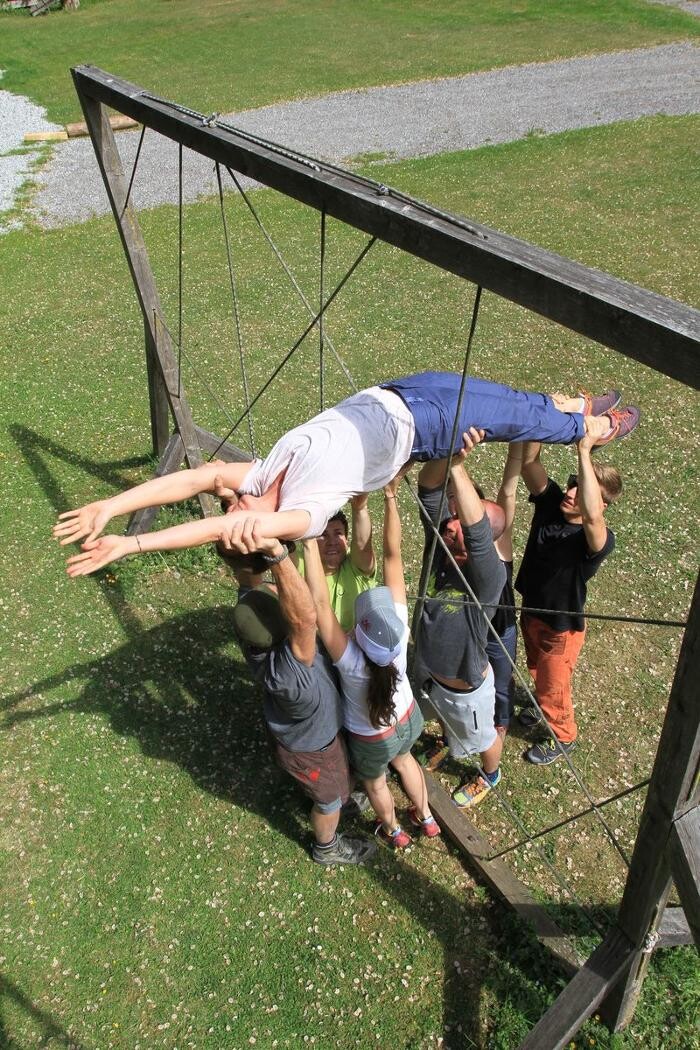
(470, 509)
(506, 498)
(90, 520)
(361, 547)
(393, 562)
(285, 525)
(590, 499)
(332, 634)
(534, 474)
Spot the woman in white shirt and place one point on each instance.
(381, 717)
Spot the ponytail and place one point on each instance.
(380, 693)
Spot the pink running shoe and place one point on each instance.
(430, 827)
(396, 839)
(598, 406)
(622, 422)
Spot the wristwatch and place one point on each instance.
(289, 548)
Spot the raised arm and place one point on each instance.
(590, 499)
(90, 520)
(393, 562)
(506, 498)
(332, 634)
(534, 474)
(361, 547)
(470, 509)
(283, 525)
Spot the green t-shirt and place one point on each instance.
(344, 585)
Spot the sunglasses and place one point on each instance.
(572, 482)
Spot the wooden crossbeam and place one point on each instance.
(641, 324)
(673, 929)
(684, 848)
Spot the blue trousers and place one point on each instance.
(503, 673)
(504, 413)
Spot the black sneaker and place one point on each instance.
(356, 804)
(544, 752)
(528, 717)
(344, 851)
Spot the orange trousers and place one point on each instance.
(551, 659)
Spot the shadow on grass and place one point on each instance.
(50, 1031)
(176, 690)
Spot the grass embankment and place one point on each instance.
(222, 56)
(157, 892)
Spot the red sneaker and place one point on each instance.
(430, 827)
(622, 422)
(598, 406)
(396, 839)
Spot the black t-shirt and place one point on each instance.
(505, 617)
(557, 563)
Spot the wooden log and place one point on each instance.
(499, 877)
(118, 122)
(45, 136)
(643, 325)
(212, 444)
(582, 994)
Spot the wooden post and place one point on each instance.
(110, 164)
(684, 852)
(673, 789)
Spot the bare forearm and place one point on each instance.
(180, 485)
(590, 502)
(361, 550)
(470, 509)
(295, 599)
(533, 473)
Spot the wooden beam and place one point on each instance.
(582, 994)
(211, 443)
(499, 877)
(684, 847)
(673, 929)
(673, 787)
(648, 327)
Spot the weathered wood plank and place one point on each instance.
(674, 929)
(643, 325)
(499, 877)
(673, 787)
(684, 847)
(582, 994)
(210, 443)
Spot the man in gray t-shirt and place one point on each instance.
(454, 631)
(276, 627)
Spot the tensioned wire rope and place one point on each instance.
(317, 319)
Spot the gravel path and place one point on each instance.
(418, 119)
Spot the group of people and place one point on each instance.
(330, 647)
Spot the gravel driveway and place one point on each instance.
(411, 120)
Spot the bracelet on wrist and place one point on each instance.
(138, 543)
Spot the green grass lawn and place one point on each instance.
(223, 56)
(157, 888)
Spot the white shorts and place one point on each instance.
(468, 717)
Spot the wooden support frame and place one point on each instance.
(660, 333)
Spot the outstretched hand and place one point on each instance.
(85, 522)
(96, 554)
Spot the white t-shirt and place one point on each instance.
(357, 446)
(354, 676)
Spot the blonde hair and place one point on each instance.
(609, 480)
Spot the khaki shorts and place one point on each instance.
(371, 758)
